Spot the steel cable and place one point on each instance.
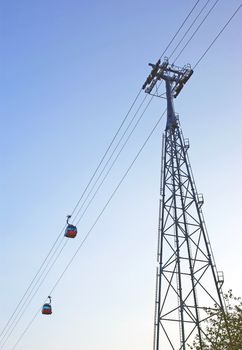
(179, 29)
(189, 28)
(31, 283)
(45, 261)
(29, 298)
(93, 225)
(114, 161)
(110, 157)
(21, 312)
(35, 287)
(11, 322)
(218, 35)
(171, 41)
(194, 33)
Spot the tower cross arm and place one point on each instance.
(169, 72)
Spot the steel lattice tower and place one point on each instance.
(187, 279)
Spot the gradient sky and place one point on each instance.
(70, 71)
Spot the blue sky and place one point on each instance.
(70, 71)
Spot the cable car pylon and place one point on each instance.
(187, 280)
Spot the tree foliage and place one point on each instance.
(223, 331)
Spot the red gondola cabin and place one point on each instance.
(71, 231)
(47, 309)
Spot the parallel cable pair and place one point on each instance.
(56, 248)
(53, 257)
(94, 224)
